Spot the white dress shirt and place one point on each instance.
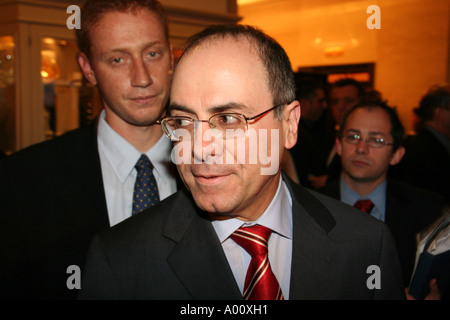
(118, 158)
(278, 217)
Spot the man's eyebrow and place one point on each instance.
(126, 50)
(227, 107)
(371, 133)
(179, 107)
(352, 130)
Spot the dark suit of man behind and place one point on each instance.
(409, 210)
(52, 195)
(427, 160)
(53, 204)
(426, 164)
(174, 253)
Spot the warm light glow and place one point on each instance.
(358, 76)
(334, 48)
(49, 40)
(6, 61)
(244, 2)
(334, 51)
(49, 69)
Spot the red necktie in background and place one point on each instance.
(364, 205)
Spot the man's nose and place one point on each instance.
(141, 76)
(362, 146)
(205, 142)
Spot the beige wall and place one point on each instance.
(410, 51)
(217, 6)
(189, 17)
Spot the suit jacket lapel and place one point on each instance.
(314, 252)
(198, 258)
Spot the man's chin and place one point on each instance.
(212, 204)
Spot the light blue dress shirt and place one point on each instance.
(378, 197)
(118, 158)
(278, 217)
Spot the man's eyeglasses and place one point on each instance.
(175, 126)
(374, 142)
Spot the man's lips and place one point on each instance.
(210, 179)
(143, 99)
(359, 163)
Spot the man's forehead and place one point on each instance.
(349, 89)
(220, 44)
(375, 120)
(222, 56)
(221, 71)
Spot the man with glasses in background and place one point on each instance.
(239, 231)
(369, 142)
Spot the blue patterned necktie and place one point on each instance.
(145, 189)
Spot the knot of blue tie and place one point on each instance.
(145, 189)
(143, 163)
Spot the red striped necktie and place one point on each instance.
(364, 205)
(260, 282)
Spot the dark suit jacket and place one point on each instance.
(408, 211)
(52, 203)
(426, 164)
(172, 252)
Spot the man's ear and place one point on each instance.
(86, 68)
(397, 156)
(291, 117)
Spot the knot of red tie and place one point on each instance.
(364, 205)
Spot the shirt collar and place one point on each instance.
(160, 157)
(277, 217)
(123, 156)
